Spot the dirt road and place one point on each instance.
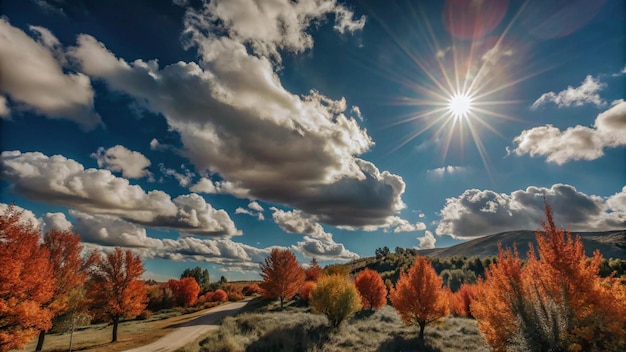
(189, 331)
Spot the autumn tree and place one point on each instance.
(26, 282)
(336, 297)
(419, 296)
(306, 289)
(185, 291)
(556, 302)
(220, 295)
(201, 276)
(69, 271)
(115, 287)
(371, 288)
(282, 275)
(461, 300)
(313, 272)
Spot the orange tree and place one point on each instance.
(26, 281)
(371, 288)
(282, 275)
(115, 288)
(69, 271)
(556, 302)
(185, 290)
(419, 296)
(461, 300)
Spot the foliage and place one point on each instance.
(26, 282)
(185, 291)
(69, 272)
(371, 288)
(282, 275)
(201, 276)
(313, 272)
(461, 300)
(419, 297)
(219, 296)
(250, 290)
(337, 269)
(115, 287)
(336, 297)
(556, 302)
(306, 289)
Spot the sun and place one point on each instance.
(460, 105)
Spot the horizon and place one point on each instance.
(206, 133)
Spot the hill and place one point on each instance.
(612, 244)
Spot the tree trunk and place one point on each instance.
(116, 321)
(420, 337)
(42, 336)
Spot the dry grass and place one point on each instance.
(131, 334)
(296, 329)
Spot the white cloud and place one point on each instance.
(5, 111)
(297, 151)
(55, 221)
(477, 213)
(120, 159)
(344, 21)
(184, 179)
(586, 93)
(426, 242)
(575, 143)
(324, 250)
(206, 185)
(296, 222)
(34, 78)
(450, 169)
(61, 181)
(254, 209)
(108, 230)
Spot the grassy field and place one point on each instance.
(264, 328)
(131, 334)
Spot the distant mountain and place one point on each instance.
(612, 244)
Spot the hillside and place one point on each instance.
(612, 244)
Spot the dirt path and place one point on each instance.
(189, 331)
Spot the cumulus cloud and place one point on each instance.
(324, 250)
(344, 21)
(208, 186)
(61, 181)
(254, 209)
(586, 93)
(5, 111)
(575, 143)
(184, 178)
(120, 159)
(299, 151)
(426, 242)
(33, 76)
(477, 213)
(56, 221)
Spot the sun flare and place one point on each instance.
(460, 105)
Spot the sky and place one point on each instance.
(207, 133)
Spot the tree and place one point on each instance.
(220, 295)
(282, 275)
(419, 296)
(26, 282)
(314, 271)
(336, 297)
(461, 300)
(337, 269)
(556, 302)
(115, 287)
(306, 289)
(371, 288)
(69, 271)
(201, 276)
(185, 291)
(382, 252)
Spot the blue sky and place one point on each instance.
(208, 133)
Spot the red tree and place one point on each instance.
(115, 287)
(26, 282)
(371, 288)
(282, 275)
(461, 300)
(185, 290)
(68, 271)
(419, 296)
(306, 289)
(220, 295)
(313, 272)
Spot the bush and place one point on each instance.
(336, 297)
(145, 315)
(220, 295)
(250, 290)
(306, 289)
(234, 297)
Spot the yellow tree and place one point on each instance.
(26, 282)
(282, 275)
(336, 297)
(115, 288)
(419, 296)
